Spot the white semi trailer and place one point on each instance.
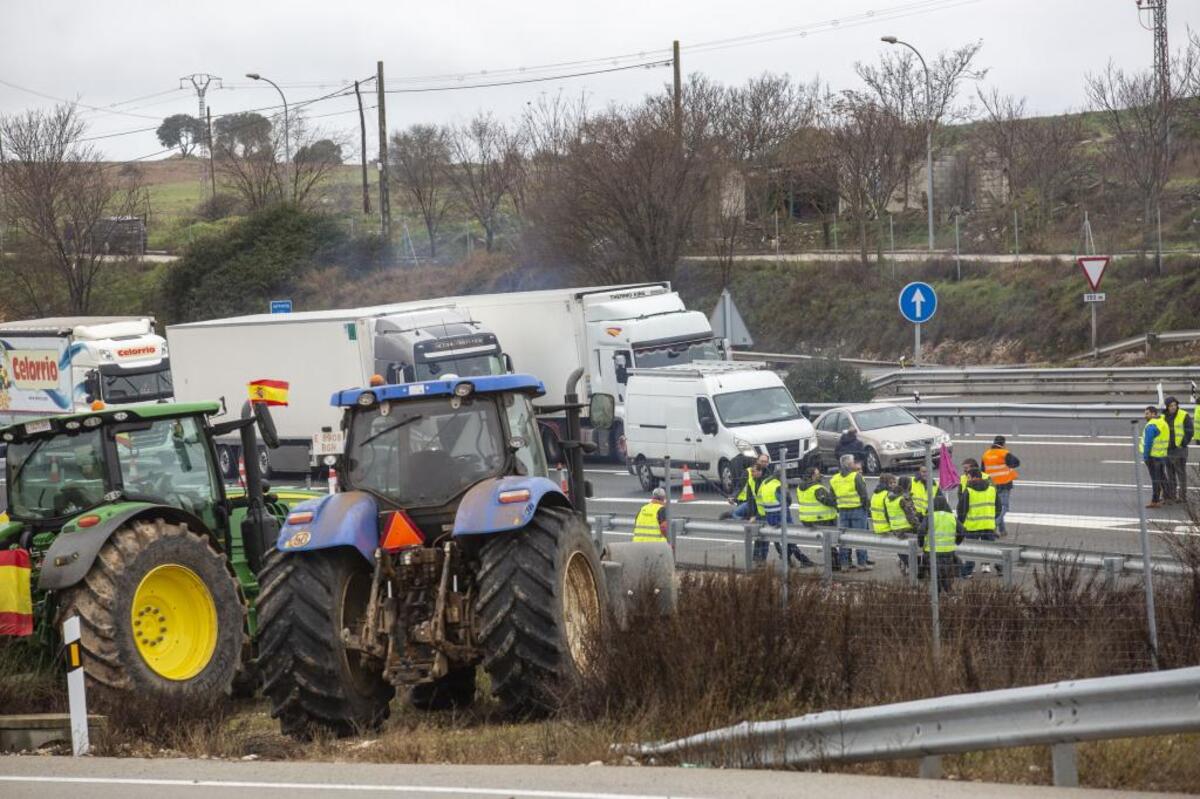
(318, 353)
(63, 364)
(606, 330)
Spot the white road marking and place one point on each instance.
(346, 787)
(1017, 444)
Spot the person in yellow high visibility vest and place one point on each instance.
(919, 488)
(1180, 426)
(903, 517)
(948, 533)
(1155, 444)
(746, 503)
(650, 525)
(978, 509)
(850, 492)
(879, 516)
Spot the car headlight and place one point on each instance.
(944, 438)
(889, 446)
(745, 447)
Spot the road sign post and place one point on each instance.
(918, 303)
(1093, 267)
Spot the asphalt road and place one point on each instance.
(127, 778)
(1075, 492)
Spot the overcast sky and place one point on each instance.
(106, 53)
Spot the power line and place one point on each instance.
(73, 102)
(493, 84)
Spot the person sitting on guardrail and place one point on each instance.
(650, 525)
(978, 507)
(1181, 427)
(948, 533)
(850, 492)
(1000, 466)
(1155, 443)
(902, 513)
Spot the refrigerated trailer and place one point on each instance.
(606, 330)
(318, 353)
(63, 364)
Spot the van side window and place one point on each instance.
(704, 410)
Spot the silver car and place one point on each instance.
(893, 437)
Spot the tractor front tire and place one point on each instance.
(541, 606)
(161, 617)
(453, 691)
(314, 682)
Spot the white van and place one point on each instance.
(708, 413)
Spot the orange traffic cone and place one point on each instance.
(241, 471)
(333, 485)
(688, 494)
(563, 482)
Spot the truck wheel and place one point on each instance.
(311, 679)
(616, 438)
(645, 477)
(541, 603)
(160, 614)
(454, 690)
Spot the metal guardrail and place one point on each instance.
(1145, 341)
(1009, 556)
(791, 357)
(1025, 380)
(1057, 714)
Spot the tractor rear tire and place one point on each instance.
(541, 606)
(161, 617)
(313, 681)
(454, 691)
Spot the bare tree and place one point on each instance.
(315, 156)
(246, 153)
(420, 158)
(486, 163)
(549, 128)
(621, 205)
(59, 198)
(1140, 116)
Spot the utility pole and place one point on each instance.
(362, 128)
(385, 206)
(678, 91)
(200, 82)
(1162, 56)
(212, 175)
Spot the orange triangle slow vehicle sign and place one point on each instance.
(402, 533)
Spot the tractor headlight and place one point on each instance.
(9, 437)
(120, 416)
(72, 425)
(92, 421)
(464, 389)
(366, 399)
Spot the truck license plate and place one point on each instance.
(330, 443)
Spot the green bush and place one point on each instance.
(240, 269)
(827, 381)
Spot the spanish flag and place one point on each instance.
(16, 601)
(269, 392)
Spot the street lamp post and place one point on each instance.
(928, 127)
(287, 137)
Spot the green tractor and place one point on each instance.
(129, 527)
(448, 549)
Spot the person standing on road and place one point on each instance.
(1000, 465)
(978, 507)
(746, 504)
(968, 465)
(1181, 427)
(879, 517)
(1153, 448)
(902, 513)
(850, 493)
(948, 533)
(920, 498)
(849, 444)
(650, 525)
(817, 507)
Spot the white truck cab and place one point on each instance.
(712, 416)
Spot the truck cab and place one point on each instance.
(429, 343)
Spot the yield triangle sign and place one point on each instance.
(1093, 267)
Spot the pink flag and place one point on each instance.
(947, 476)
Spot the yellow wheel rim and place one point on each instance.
(174, 622)
(581, 607)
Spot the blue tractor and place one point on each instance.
(447, 548)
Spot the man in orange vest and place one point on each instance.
(1000, 466)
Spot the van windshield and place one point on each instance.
(756, 406)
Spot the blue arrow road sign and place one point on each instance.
(918, 302)
(281, 306)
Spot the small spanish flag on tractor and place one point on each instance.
(16, 599)
(269, 392)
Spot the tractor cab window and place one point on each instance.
(424, 453)
(51, 478)
(167, 461)
(524, 436)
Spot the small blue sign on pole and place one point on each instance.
(918, 302)
(281, 306)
